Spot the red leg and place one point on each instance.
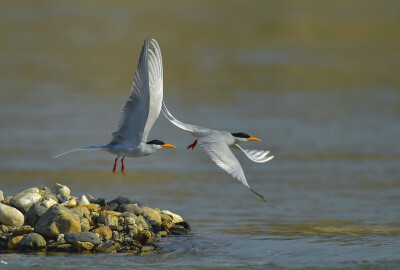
(115, 164)
(192, 145)
(122, 165)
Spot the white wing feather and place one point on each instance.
(143, 106)
(222, 156)
(259, 156)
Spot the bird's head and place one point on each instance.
(244, 137)
(157, 144)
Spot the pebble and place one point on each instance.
(104, 232)
(91, 237)
(57, 219)
(82, 200)
(32, 241)
(151, 214)
(11, 216)
(25, 199)
(132, 208)
(83, 246)
(12, 244)
(108, 247)
(175, 218)
(59, 189)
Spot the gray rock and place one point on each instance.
(25, 199)
(108, 247)
(37, 210)
(82, 200)
(62, 198)
(58, 219)
(132, 208)
(1, 196)
(32, 241)
(10, 216)
(93, 238)
(59, 189)
(124, 200)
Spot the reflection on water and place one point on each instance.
(317, 82)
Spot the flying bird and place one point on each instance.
(140, 111)
(217, 144)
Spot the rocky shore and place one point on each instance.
(51, 219)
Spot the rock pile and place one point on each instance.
(53, 220)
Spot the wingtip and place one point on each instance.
(258, 196)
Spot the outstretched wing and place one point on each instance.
(143, 106)
(220, 153)
(259, 156)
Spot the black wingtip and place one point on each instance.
(258, 196)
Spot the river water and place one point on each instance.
(318, 82)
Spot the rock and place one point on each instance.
(129, 215)
(21, 230)
(82, 212)
(32, 241)
(59, 189)
(144, 223)
(151, 215)
(175, 218)
(100, 201)
(47, 195)
(58, 219)
(180, 228)
(25, 199)
(146, 248)
(57, 246)
(132, 208)
(82, 200)
(108, 219)
(92, 207)
(12, 244)
(107, 247)
(83, 246)
(10, 216)
(112, 206)
(165, 217)
(70, 203)
(85, 224)
(117, 237)
(60, 238)
(91, 237)
(166, 224)
(124, 200)
(144, 237)
(104, 232)
(62, 198)
(37, 210)
(1, 196)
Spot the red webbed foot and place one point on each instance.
(192, 145)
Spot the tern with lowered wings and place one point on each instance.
(140, 111)
(217, 144)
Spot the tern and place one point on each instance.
(217, 144)
(140, 111)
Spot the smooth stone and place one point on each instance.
(175, 218)
(25, 199)
(11, 216)
(70, 203)
(91, 237)
(108, 247)
(59, 189)
(132, 208)
(124, 200)
(83, 246)
(58, 219)
(82, 200)
(151, 215)
(49, 196)
(104, 232)
(12, 244)
(32, 241)
(37, 210)
(60, 238)
(1, 196)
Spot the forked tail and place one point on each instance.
(93, 147)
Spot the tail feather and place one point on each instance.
(93, 147)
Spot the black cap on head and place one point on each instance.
(158, 142)
(241, 135)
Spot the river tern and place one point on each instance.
(217, 144)
(140, 111)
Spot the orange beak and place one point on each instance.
(168, 146)
(254, 139)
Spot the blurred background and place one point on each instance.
(317, 81)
